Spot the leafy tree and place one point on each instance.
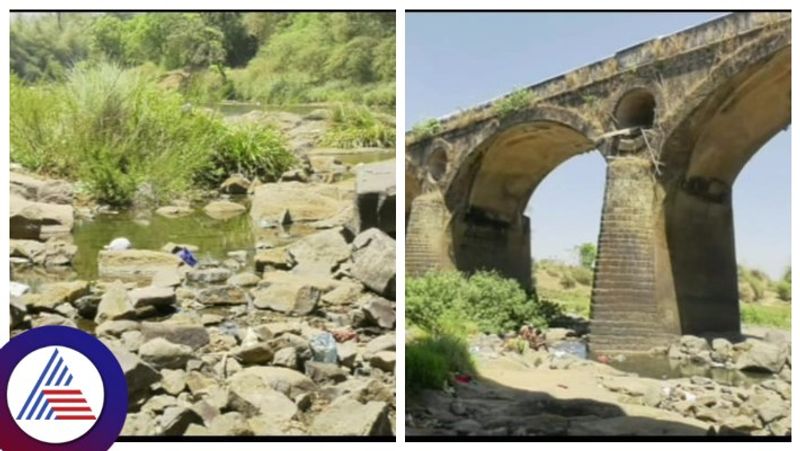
(587, 253)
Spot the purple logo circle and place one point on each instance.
(62, 389)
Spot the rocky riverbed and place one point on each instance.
(557, 393)
(292, 335)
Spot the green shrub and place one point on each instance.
(784, 290)
(357, 126)
(430, 361)
(254, 152)
(516, 101)
(111, 128)
(426, 129)
(485, 301)
(116, 131)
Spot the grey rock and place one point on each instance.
(346, 416)
(176, 420)
(325, 372)
(164, 354)
(373, 262)
(193, 335)
(224, 295)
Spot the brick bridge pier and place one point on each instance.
(675, 118)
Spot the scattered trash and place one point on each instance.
(323, 348)
(187, 257)
(463, 378)
(344, 335)
(602, 358)
(18, 289)
(118, 244)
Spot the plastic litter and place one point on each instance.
(18, 289)
(323, 348)
(187, 257)
(118, 244)
(463, 378)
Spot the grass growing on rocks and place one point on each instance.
(357, 126)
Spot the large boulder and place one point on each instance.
(37, 221)
(51, 295)
(346, 416)
(306, 202)
(759, 355)
(193, 335)
(319, 253)
(235, 184)
(376, 197)
(137, 264)
(251, 395)
(115, 304)
(165, 354)
(295, 297)
(223, 295)
(53, 252)
(287, 381)
(374, 261)
(41, 190)
(138, 374)
(158, 297)
(223, 209)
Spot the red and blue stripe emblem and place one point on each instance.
(53, 397)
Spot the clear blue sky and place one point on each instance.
(457, 60)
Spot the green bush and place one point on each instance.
(485, 301)
(252, 151)
(516, 101)
(430, 361)
(116, 131)
(784, 290)
(357, 126)
(426, 129)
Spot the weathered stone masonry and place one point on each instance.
(675, 118)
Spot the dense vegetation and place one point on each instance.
(109, 99)
(446, 308)
(270, 57)
(763, 301)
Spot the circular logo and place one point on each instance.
(63, 389)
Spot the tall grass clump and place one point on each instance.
(252, 151)
(116, 132)
(431, 360)
(516, 101)
(357, 126)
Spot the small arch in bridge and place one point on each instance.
(637, 108)
(437, 163)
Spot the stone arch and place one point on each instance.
(635, 108)
(488, 192)
(567, 133)
(726, 119)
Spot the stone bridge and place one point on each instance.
(675, 118)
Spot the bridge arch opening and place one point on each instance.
(490, 229)
(437, 163)
(707, 154)
(637, 108)
(565, 213)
